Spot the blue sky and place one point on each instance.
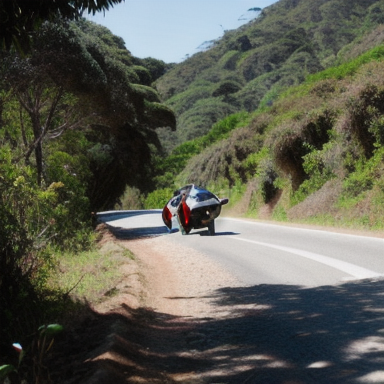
(171, 29)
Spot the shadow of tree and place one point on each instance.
(122, 233)
(137, 233)
(268, 334)
(117, 215)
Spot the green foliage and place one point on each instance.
(198, 120)
(253, 161)
(280, 214)
(287, 44)
(172, 165)
(221, 160)
(187, 99)
(6, 370)
(45, 337)
(367, 174)
(68, 185)
(377, 130)
(318, 173)
(19, 20)
(235, 192)
(77, 120)
(349, 68)
(157, 199)
(218, 132)
(131, 199)
(226, 88)
(27, 215)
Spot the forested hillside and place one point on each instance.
(249, 67)
(286, 115)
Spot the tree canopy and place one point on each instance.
(75, 78)
(19, 18)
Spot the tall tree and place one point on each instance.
(107, 84)
(19, 18)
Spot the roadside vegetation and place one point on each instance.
(304, 78)
(77, 124)
(316, 155)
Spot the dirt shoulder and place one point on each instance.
(177, 317)
(147, 332)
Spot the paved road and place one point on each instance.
(258, 253)
(309, 309)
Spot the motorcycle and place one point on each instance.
(194, 208)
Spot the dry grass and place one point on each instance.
(92, 275)
(322, 202)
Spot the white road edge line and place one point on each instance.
(380, 239)
(351, 269)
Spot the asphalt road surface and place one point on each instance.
(309, 308)
(258, 253)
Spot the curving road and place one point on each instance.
(259, 253)
(309, 308)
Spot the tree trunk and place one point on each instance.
(38, 137)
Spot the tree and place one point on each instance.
(19, 18)
(47, 109)
(70, 73)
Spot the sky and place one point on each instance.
(170, 30)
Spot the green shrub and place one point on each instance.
(366, 175)
(158, 198)
(132, 199)
(318, 173)
(167, 169)
(349, 68)
(377, 130)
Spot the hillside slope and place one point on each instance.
(249, 67)
(316, 155)
(312, 151)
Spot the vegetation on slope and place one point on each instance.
(316, 154)
(290, 40)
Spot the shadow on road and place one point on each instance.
(137, 233)
(123, 233)
(329, 334)
(270, 334)
(206, 233)
(117, 215)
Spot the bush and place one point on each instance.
(167, 169)
(366, 175)
(318, 171)
(365, 112)
(349, 68)
(34, 220)
(158, 198)
(132, 199)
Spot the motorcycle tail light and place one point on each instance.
(167, 217)
(187, 213)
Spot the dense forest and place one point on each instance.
(284, 115)
(78, 119)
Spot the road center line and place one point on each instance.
(351, 269)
